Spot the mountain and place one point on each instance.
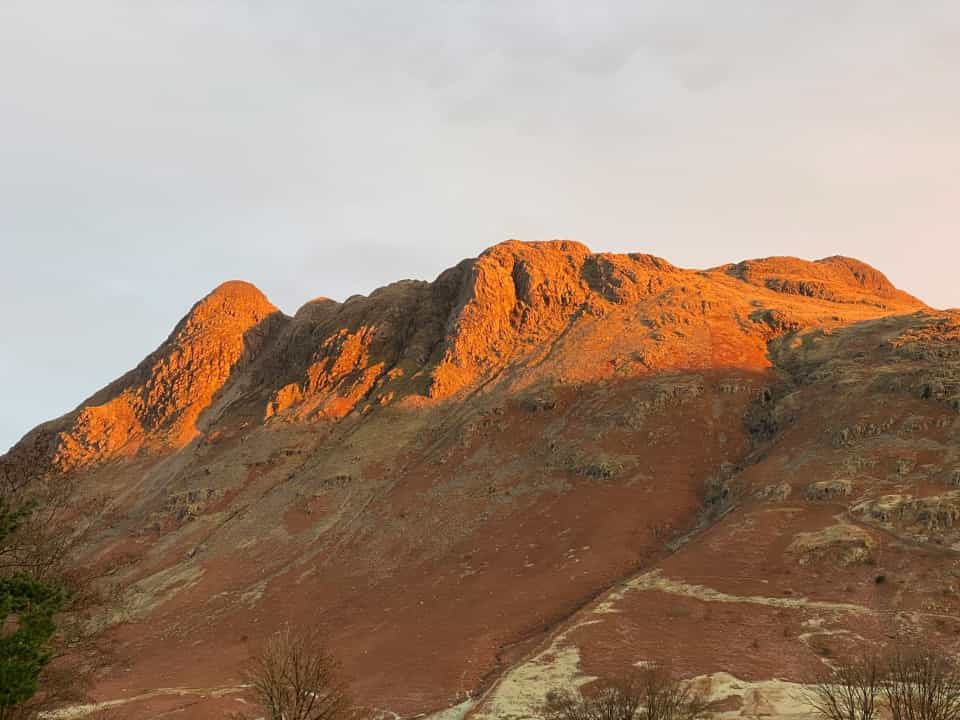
(544, 465)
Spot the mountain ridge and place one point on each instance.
(479, 310)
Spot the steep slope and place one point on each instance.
(841, 530)
(515, 472)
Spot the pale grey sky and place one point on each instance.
(150, 150)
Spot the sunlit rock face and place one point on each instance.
(545, 465)
(158, 404)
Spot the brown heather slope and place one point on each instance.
(545, 464)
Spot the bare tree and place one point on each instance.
(648, 694)
(922, 684)
(851, 690)
(295, 677)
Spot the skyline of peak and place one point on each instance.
(230, 301)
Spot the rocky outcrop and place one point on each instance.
(933, 517)
(840, 544)
(513, 295)
(335, 358)
(835, 279)
(159, 403)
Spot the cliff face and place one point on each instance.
(542, 465)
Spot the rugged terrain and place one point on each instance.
(544, 465)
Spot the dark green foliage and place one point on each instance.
(48, 596)
(27, 609)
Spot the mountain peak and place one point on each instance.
(234, 302)
(158, 403)
(836, 279)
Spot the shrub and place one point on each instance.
(912, 683)
(922, 684)
(649, 694)
(851, 690)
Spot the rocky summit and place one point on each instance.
(544, 465)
